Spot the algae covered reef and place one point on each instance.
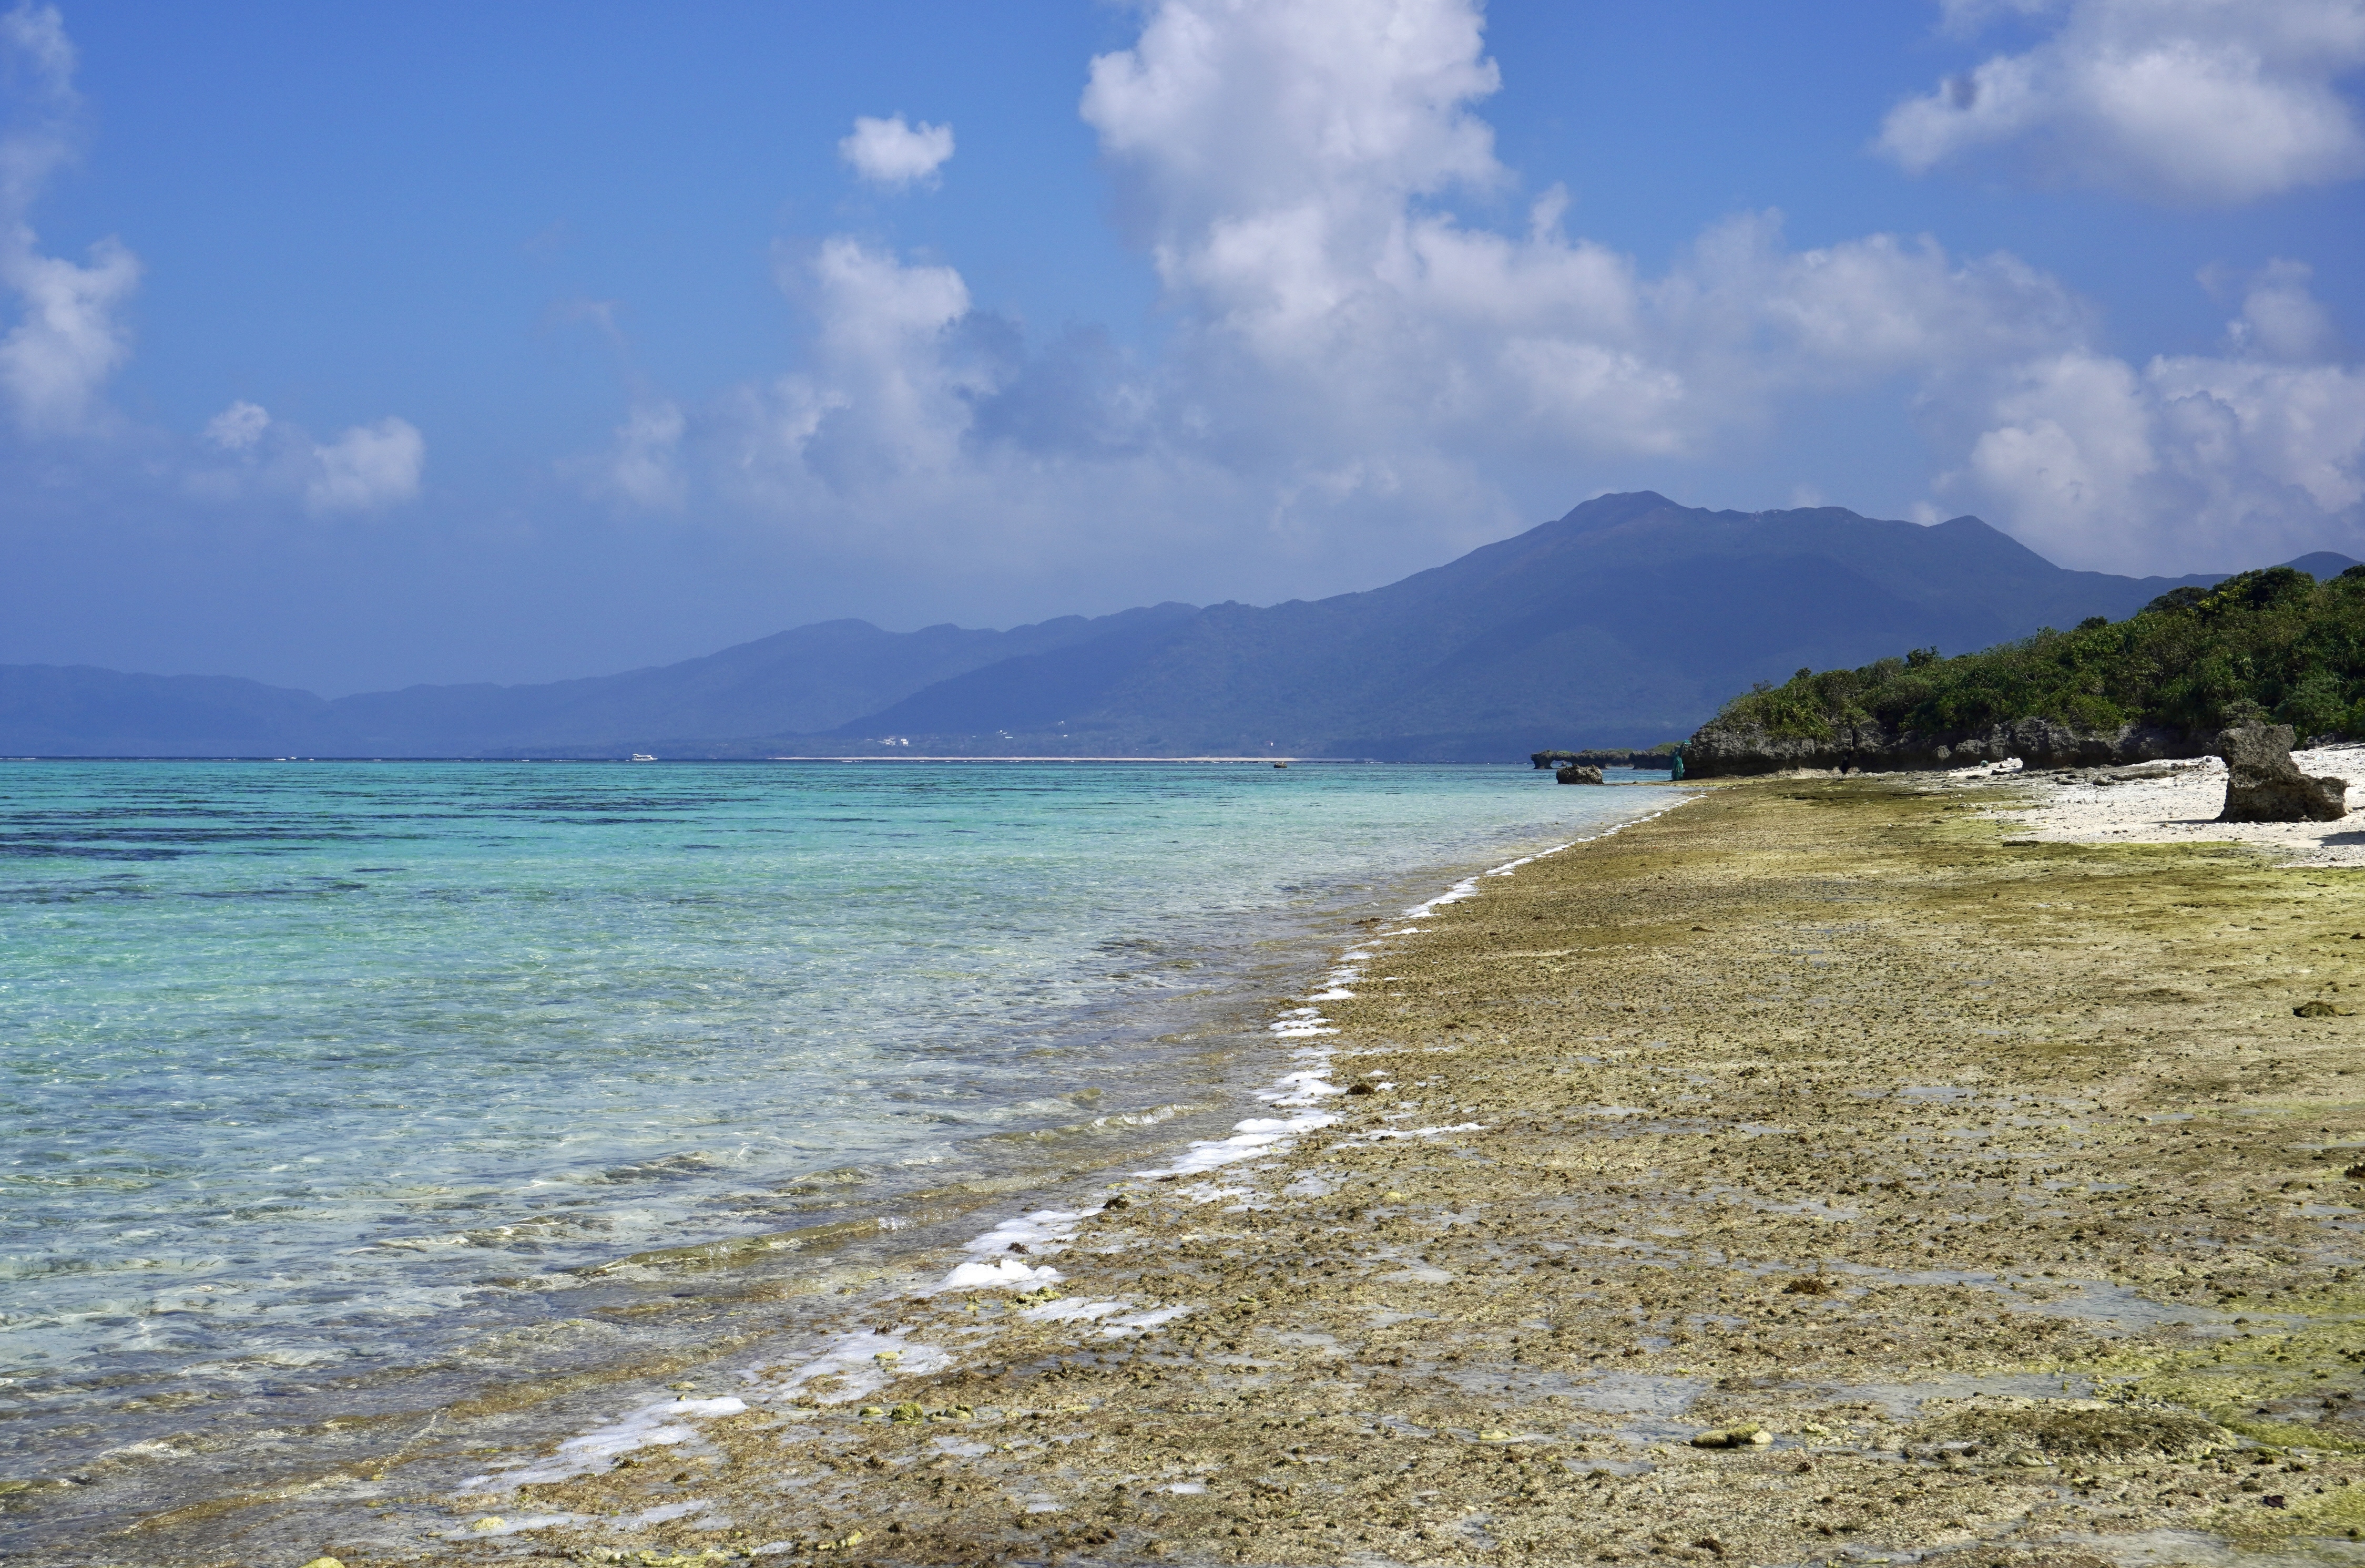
(2272, 646)
(1807, 1171)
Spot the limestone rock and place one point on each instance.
(1727, 748)
(1577, 773)
(2264, 785)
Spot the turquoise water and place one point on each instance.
(306, 1069)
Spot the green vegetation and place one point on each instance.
(2274, 646)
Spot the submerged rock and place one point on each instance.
(2264, 785)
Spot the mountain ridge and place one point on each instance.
(1626, 620)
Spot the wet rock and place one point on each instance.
(1577, 773)
(2264, 785)
(1747, 1435)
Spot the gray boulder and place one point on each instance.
(2264, 785)
(1577, 773)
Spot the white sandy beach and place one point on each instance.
(2178, 802)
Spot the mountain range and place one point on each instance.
(1625, 622)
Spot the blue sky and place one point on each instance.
(347, 347)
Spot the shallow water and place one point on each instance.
(311, 1068)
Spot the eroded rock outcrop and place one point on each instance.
(1577, 773)
(2264, 785)
(1733, 750)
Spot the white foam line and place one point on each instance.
(1309, 1087)
(652, 1426)
(1045, 1231)
(1257, 1136)
(1049, 1230)
(1468, 886)
(861, 1363)
(1374, 1136)
(1006, 1274)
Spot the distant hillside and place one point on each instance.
(808, 679)
(1623, 623)
(2273, 646)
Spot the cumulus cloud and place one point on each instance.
(366, 468)
(70, 336)
(2191, 458)
(2281, 319)
(1354, 371)
(1284, 162)
(895, 152)
(2185, 101)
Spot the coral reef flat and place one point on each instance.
(1806, 1172)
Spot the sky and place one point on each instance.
(351, 347)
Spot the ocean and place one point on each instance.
(313, 1075)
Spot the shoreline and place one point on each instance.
(788, 1285)
(1812, 1172)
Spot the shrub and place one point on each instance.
(2272, 644)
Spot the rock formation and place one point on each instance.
(1577, 773)
(2264, 785)
(1726, 750)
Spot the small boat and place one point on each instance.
(642, 756)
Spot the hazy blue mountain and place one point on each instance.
(1625, 622)
(810, 679)
(1617, 624)
(82, 710)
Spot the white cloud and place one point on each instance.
(2184, 101)
(69, 336)
(2202, 460)
(1355, 374)
(894, 152)
(368, 468)
(2282, 321)
(238, 427)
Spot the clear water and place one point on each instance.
(301, 1065)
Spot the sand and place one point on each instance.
(2178, 802)
(1823, 1168)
